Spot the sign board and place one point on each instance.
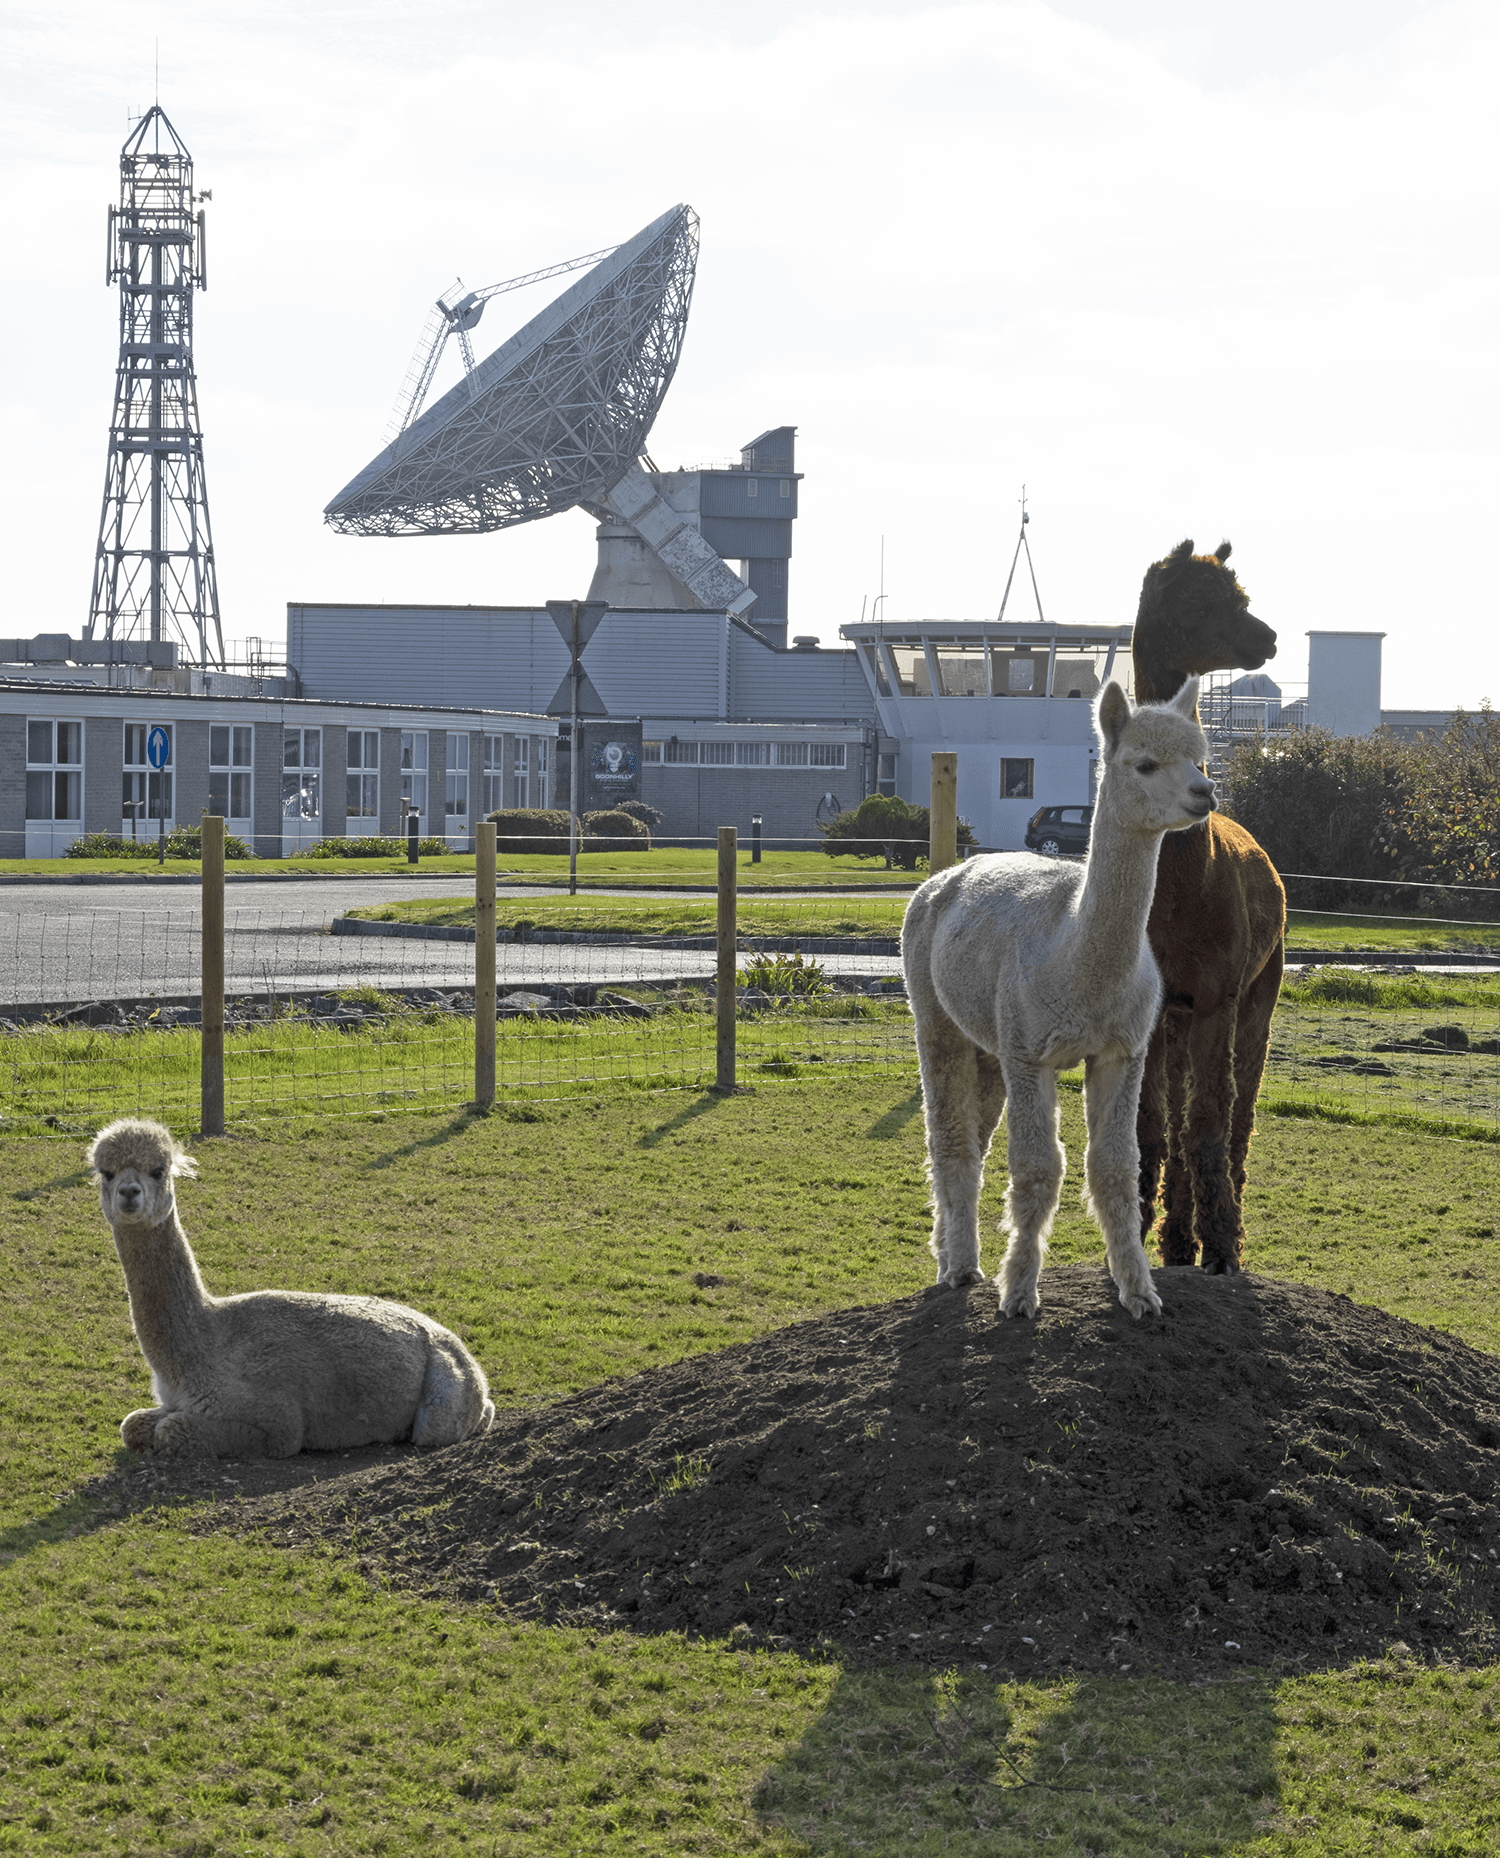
(611, 763)
(158, 747)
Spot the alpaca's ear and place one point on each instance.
(184, 1164)
(1223, 552)
(1186, 700)
(1113, 714)
(1183, 551)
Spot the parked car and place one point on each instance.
(1059, 829)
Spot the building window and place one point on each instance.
(752, 487)
(456, 790)
(651, 752)
(1016, 779)
(828, 754)
(147, 793)
(54, 770)
(679, 754)
(541, 773)
(885, 774)
(752, 754)
(414, 771)
(791, 754)
(301, 773)
(1020, 675)
(362, 789)
(523, 770)
(716, 754)
(786, 487)
(493, 773)
(231, 755)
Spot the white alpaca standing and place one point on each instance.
(1018, 967)
(273, 1371)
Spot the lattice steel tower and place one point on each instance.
(154, 569)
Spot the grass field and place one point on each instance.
(1389, 934)
(165, 1692)
(669, 868)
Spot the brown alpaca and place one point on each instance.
(1216, 929)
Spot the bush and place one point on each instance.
(778, 974)
(882, 825)
(615, 829)
(519, 830)
(370, 845)
(183, 842)
(649, 816)
(1375, 807)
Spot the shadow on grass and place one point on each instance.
(76, 1178)
(895, 1119)
(455, 1126)
(702, 1105)
(905, 1761)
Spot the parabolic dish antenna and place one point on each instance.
(556, 417)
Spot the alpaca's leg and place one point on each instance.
(138, 1429)
(1179, 1244)
(1111, 1166)
(1206, 1137)
(1252, 1038)
(962, 1096)
(1151, 1123)
(1037, 1165)
(272, 1431)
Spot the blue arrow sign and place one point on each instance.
(158, 747)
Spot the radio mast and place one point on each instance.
(154, 573)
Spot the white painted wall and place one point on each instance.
(1343, 681)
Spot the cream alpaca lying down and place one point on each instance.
(274, 1371)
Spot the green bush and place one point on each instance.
(649, 816)
(1376, 807)
(370, 846)
(778, 974)
(183, 842)
(883, 825)
(519, 830)
(615, 830)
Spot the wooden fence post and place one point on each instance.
(211, 918)
(942, 814)
(725, 996)
(484, 964)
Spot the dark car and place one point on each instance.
(1059, 829)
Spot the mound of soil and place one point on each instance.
(1266, 1475)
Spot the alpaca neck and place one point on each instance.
(1157, 677)
(168, 1303)
(1119, 881)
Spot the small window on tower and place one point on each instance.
(786, 487)
(752, 489)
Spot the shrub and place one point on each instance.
(182, 842)
(615, 830)
(883, 825)
(370, 845)
(519, 830)
(1375, 807)
(778, 974)
(649, 816)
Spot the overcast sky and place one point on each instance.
(1183, 268)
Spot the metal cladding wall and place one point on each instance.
(656, 663)
(765, 685)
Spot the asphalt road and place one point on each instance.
(65, 944)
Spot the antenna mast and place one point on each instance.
(154, 572)
(1022, 542)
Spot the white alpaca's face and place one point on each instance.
(135, 1189)
(1152, 757)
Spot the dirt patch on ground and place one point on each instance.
(1266, 1475)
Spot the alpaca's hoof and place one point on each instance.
(960, 1280)
(1020, 1303)
(1139, 1302)
(1221, 1267)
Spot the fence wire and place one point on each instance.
(375, 1012)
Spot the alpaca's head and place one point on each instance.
(134, 1164)
(1152, 780)
(1194, 617)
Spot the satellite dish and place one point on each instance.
(555, 417)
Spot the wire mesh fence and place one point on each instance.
(336, 1014)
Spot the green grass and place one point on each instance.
(691, 869)
(1314, 929)
(874, 917)
(161, 1691)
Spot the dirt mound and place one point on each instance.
(1267, 1475)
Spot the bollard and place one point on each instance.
(942, 815)
(725, 996)
(755, 838)
(413, 821)
(211, 918)
(484, 965)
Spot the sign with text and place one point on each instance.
(611, 763)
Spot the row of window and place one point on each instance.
(677, 753)
(54, 773)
